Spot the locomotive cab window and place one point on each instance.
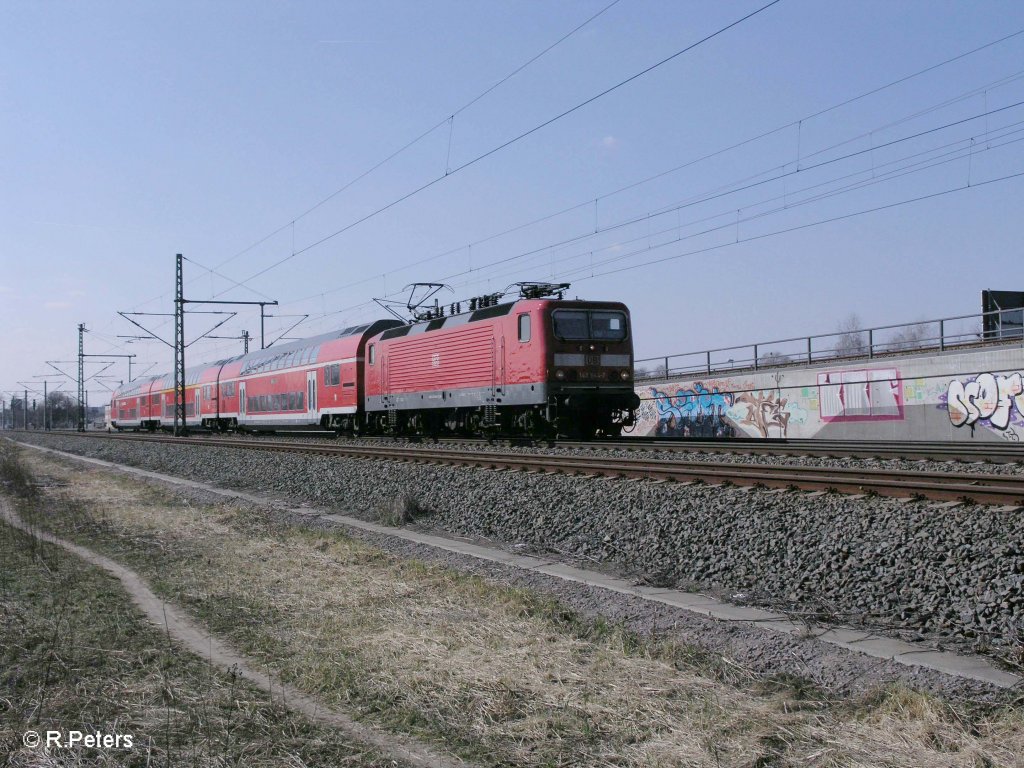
(589, 324)
(524, 328)
(570, 324)
(609, 326)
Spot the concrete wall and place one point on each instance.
(965, 395)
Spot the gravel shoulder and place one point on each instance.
(655, 453)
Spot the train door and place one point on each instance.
(494, 370)
(198, 413)
(241, 400)
(501, 366)
(311, 395)
(497, 367)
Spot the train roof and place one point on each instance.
(486, 313)
(294, 353)
(303, 351)
(134, 387)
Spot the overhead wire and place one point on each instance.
(796, 228)
(580, 274)
(820, 112)
(934, 160)
(469, 163)
(948, 157)
(762, 135)
(730, 189)
(717, 153)
(780, 176)
(397, 152)
(929, 163)
(425, 133)
(789, 204)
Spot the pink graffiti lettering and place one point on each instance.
(987, 397)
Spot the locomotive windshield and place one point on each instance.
(589, 324)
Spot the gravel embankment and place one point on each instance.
(955, 574)
(654, 453)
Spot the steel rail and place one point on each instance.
(993, 452)
(1004, 452)
(976, 487)
(1001, 452)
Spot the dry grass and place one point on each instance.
(400, 511)
(75, 654)
(499, 674)
(14, 476)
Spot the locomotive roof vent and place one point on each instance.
(392, 333)
(487, 300)
(495, 310)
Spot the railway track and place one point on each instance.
(861, 449)
(996, 453)
(1005, 452)
(973, 487)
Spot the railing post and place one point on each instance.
(708, 361)
(755, 357)
(666, 367)
(942, 335)
(871, 342)
(810, 356)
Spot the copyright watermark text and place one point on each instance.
(77, 740)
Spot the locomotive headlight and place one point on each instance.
(559, 374)
(624, 375)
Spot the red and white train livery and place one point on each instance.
(534, 366)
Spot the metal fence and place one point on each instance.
(1003, 326)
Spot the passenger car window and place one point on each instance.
(373, 353)
(524, 328)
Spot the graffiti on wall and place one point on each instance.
(764, 410)
(706, 410)
(694, 412)
(861, 395)
(993, 400)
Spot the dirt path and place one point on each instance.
(204, 645)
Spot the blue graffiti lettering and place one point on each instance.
(688, 403)
(695, 412)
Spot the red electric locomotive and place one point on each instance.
(536, 366)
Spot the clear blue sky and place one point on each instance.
(133, 131)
